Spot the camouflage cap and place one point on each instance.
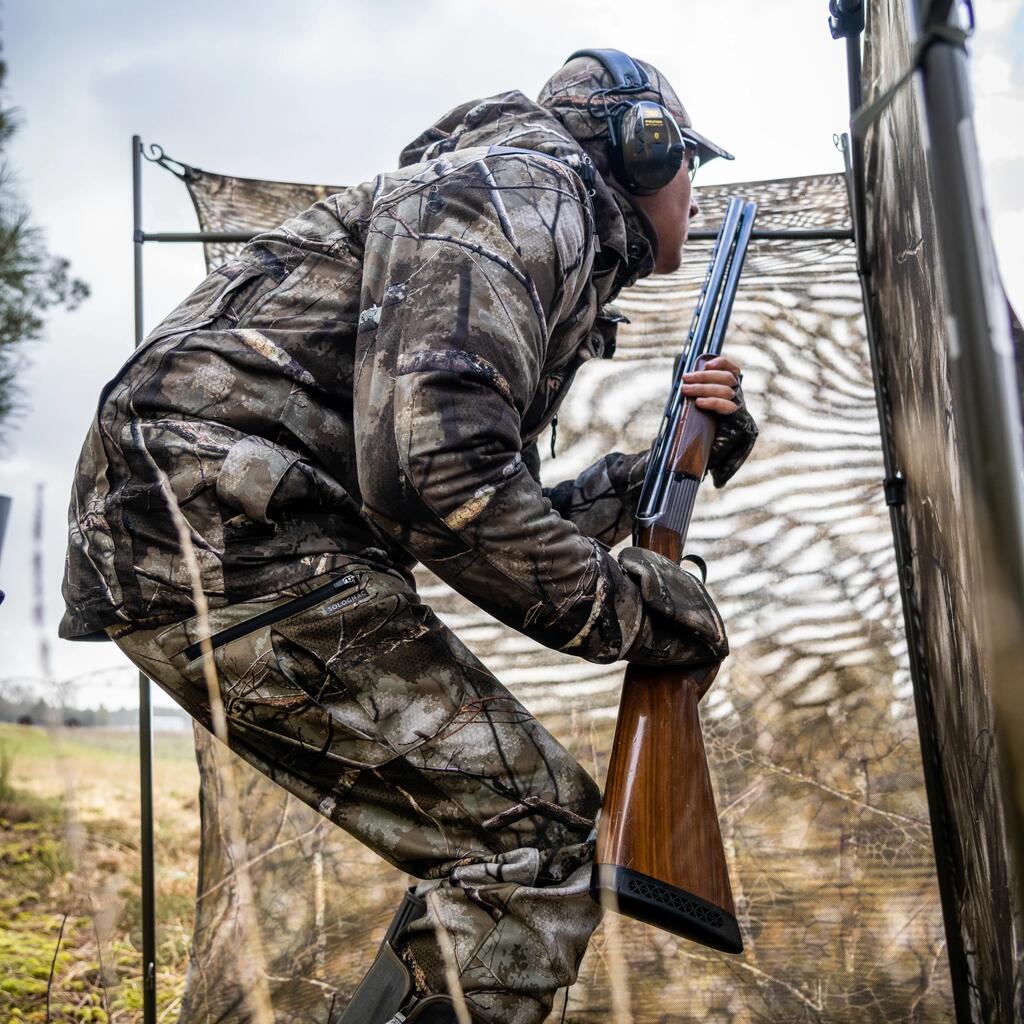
(567, 95)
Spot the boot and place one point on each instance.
(387, 994)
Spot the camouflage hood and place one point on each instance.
(628, 249)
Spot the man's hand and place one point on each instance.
(714, 387)
(717, 389)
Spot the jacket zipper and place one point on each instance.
(282, 611)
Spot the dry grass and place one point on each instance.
(629, 968)
(93, 895)
(254, 980)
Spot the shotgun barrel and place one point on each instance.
(659, 853)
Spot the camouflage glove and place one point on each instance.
(601, 501)
(680, 624)
(633, 470)
(734, 440)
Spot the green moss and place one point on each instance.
(33, 863)
(27, 944)
(37, 887)
(129, 998)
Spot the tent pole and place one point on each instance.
(145, 708)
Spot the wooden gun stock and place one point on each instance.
(659, 847)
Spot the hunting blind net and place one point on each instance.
(810, 727)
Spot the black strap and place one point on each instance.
(628, 74)
(700, 563)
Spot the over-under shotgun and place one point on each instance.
(659, 847)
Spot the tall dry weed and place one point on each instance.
(451, 965)
(253, 963)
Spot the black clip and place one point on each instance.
(895, 488)
(846, 18)
(587, 171)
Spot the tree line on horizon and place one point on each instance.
(30, 709)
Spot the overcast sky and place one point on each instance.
(329, 92)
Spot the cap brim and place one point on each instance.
(705, 147)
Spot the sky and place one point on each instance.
(330, 92)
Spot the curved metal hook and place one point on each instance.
(156, 155)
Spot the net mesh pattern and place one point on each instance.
(810, 727)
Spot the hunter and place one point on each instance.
(362, 389)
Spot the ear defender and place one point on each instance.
(649, 148)
(645, 144)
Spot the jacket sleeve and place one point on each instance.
(464, 277)
(602, 500)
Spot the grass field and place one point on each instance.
(69, 873)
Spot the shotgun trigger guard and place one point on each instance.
(700, 563)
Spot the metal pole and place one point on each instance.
(197, 236)
(855, 167)
(5, 511)
(846, 22)
(145, 708)
(987, 403)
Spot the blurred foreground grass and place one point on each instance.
(69, 869)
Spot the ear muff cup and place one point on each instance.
(646, 147)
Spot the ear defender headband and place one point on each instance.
(645, 144)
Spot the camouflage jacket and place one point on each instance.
(370, 379)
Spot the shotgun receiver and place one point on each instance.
(659, 848)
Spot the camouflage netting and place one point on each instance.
(911, 313)
(811, 728)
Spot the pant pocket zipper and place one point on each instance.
(339, 586)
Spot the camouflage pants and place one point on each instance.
(357, 699)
